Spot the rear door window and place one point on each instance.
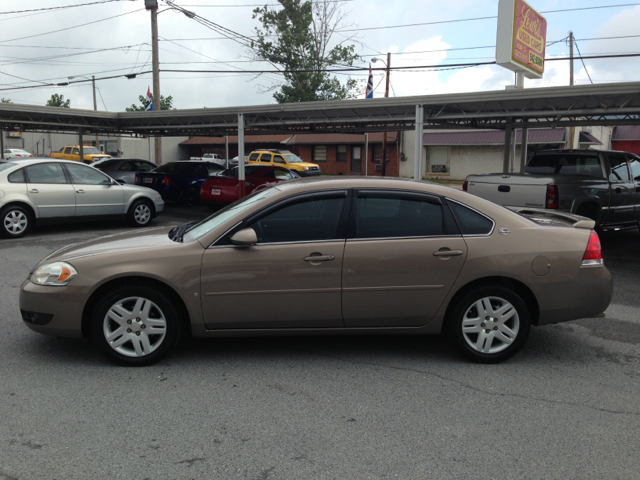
(266, 157)
(588, 165)
(398, 215)
(46, 173)
(619, 171)
(254, 156)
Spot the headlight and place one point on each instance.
(306, 168)
(56, 274)
(159, 197)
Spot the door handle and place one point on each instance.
(319, 258)
(447, 253)
(34, 190)
(80, 191)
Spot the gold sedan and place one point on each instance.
(327, 256)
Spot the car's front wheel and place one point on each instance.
(140, 213)
(490, 324)
(135, 325)
(16, 221)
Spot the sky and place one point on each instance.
(113, 38)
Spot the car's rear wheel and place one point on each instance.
(140, 213)
(16, 221)
(135, 325)
(490, 324)
(191, 197)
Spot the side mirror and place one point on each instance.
(244, 238)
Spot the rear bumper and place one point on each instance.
(588, 295)
(309, 173)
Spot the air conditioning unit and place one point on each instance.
(379, 167)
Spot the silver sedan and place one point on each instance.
(49, 191)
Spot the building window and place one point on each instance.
(341, 153)
(319, 153)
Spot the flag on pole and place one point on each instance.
(369, 93)
(149, 101)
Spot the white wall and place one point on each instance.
(128, 146)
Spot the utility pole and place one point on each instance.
(572, 130)
(384, 135)
(95, 106)
(152, 6)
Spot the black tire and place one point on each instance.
(191, 197)
(140, 213)
(140, 310)
(490, 339)
(15, 221)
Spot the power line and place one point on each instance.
(261, 5)
(58, 8)
(582, 59)
(69, 28)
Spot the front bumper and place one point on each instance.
(62, 307)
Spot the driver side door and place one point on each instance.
(290, 279)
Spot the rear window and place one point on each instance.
(181, 168)
(588, 165)
(6, 165)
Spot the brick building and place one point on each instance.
(335, 153)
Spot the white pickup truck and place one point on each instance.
(601, 185)
(212, 157)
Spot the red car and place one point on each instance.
(224, 188)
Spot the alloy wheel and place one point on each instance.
(490, 325)
(15, 222)
(142, 214)
(134, 327)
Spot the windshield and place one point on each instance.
(570, 164)
(208, 224)
(92, 150)
(291, 158)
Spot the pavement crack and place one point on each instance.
(486, 392)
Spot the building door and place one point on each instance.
(438, 159)
(356, 159)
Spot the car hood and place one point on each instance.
(304, 164)
(117, 243)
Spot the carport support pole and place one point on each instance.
(523, 149)
(226, 149)
(81, 147)
(2, 145)
(417, 155)
(507, 147)
(366, 154)
(241, 154)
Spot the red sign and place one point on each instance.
(529, 37)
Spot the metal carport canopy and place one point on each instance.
(603, 104)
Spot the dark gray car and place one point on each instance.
(124, 170)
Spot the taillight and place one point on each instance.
(464, 186)
(552, 196)
(166, 181)
(136, 179)
(593, 253)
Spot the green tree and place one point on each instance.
(5, 100)
(166, 103)
(297, 39)
(58, 101)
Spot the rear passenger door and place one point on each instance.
(402, 256)
(49, 189)
(634, 168)
(622, 190)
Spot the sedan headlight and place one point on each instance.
(56, 274)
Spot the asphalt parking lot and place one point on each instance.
(567, 406)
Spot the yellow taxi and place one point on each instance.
(284, 158)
